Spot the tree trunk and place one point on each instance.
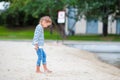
(62, 30)
(105, 26)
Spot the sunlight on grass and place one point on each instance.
(27, 33)
(23, 34)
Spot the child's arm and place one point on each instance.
(36, 37)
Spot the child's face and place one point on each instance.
(45, 24)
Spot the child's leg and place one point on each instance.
(38, 61)
(38, 69)
(44, 62)
(46, 69)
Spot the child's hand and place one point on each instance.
(36, 47)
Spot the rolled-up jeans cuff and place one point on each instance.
(39, 46)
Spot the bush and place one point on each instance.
(1, 19)
(17, 19)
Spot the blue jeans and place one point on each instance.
(41, 56)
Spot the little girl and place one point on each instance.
(38, 42)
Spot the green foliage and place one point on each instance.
(25, 12)
(96, 8)
(21, 11)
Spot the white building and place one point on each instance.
(90, 26)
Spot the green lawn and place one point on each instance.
(95, 38)
(27, 33)
(15, 34)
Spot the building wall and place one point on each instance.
(100, 27)
(80, 27)
(111, 26)
(118, 25)
(66, 26)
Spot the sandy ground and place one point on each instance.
(18, 61)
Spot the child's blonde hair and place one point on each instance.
(46, 18)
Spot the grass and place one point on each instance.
(6, 33)
(27, 33)
(95, 38)
(24, 33)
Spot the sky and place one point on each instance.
(1, 5)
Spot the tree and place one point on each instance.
(25, 12)
(21, 11)
(14, 15)
(97, 9)
(102, 9)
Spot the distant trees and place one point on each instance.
(100, 9)
(97, 9)
(27, 12)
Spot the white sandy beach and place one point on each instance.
(18, 62)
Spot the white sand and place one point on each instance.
(18, 61)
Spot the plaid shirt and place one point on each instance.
(38, 36)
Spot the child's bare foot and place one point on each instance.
(48, 71)
(39, 72)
